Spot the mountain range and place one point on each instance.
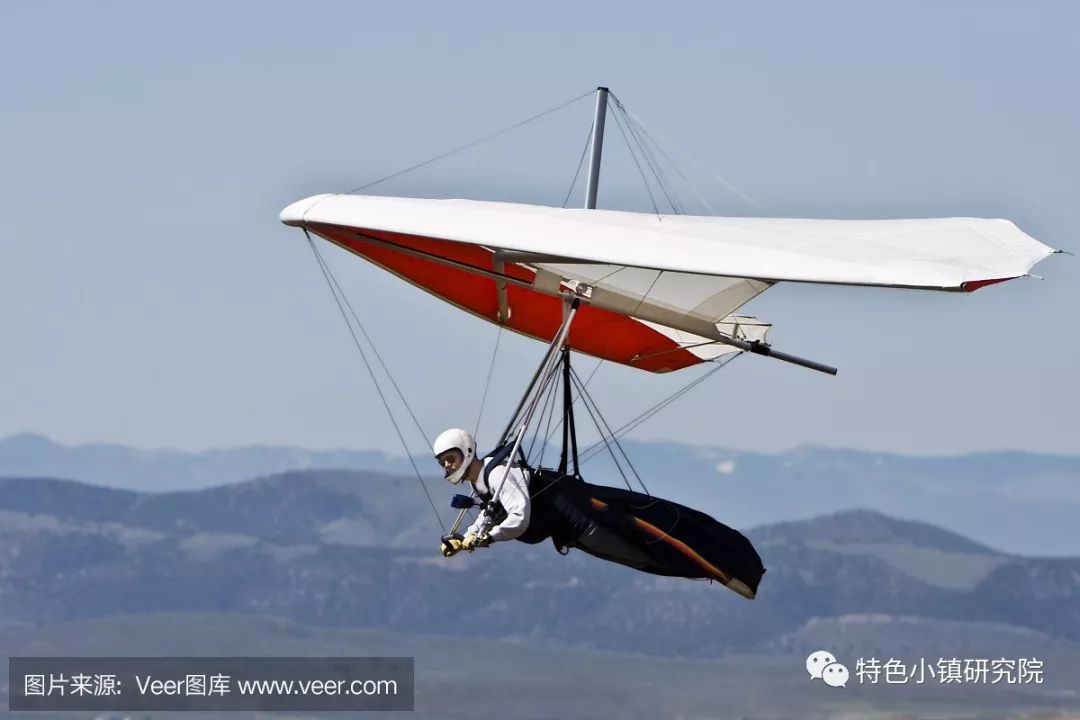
(354, 549)
(345, 562)
(1014, 502)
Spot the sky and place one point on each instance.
(149, 295)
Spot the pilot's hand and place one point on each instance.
(471, 542)
(450, 547)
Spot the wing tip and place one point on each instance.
(295, 214)
(973, 285)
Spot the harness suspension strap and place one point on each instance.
(569, 434)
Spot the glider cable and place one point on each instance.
(334, 290)
(612, 338)
(642, 417)
(588, 400)
(647, 156)
(648, 188)
(631, 118)
(547, 410)
(474, 143)
(487, 383)
(581, 163)
(690, 157)
(603, 437)
(374, 347)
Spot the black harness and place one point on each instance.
(555, 501)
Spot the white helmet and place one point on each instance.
(462, 441)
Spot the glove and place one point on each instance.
(451, 547)
(471, 542)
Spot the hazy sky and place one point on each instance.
(149, 295)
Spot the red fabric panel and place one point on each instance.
(597, 332)
(973, 285)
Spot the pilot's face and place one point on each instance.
(450, 461)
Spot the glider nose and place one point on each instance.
(294, 214)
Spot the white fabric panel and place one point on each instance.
(702, 297)
(744, 328)
(936, 253)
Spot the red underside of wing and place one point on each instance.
(973, 285)
(597, 332)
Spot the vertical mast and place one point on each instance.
(569, 432)
(597, 146)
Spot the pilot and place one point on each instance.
(504, 519)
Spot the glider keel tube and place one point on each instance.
(759, 348)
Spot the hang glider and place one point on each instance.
(660, 293)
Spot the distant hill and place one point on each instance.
(1011, 501)
(546, 681)
(122, 467)
(355, 549)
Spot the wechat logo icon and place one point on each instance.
(822, 666)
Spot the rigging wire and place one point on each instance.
(646, 152)
(645, 415)
(581, 163)
(374, 347)
(647, 156)
(658, 168)
(670, 162)
(611, 342)
(588, 399)
(548, 410)
(618, 465)
(539, 422)
(487, 383)
(474, 143)
(332, 284)
(648, 188)
(526, 413)
(746, 198)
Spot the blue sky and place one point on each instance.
(149, 296)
